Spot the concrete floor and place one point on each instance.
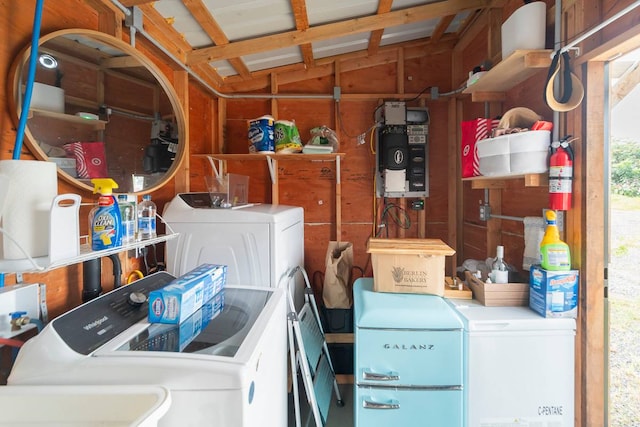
(339, 416)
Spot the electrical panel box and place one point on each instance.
(402, 151)
(393, 113)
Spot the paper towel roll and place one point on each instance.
(30, 187)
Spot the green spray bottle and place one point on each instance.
(554, 252)
(105, 223)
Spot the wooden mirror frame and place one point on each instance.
(14, 92)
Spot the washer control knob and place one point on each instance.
(136, 299)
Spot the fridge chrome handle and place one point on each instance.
(367, 404)
(373, 376)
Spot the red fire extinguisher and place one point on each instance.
(560, 174)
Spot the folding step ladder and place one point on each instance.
(309, 353)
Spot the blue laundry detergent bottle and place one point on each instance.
(105, 222)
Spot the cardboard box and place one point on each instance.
(498, 294)
(553, 293)
(408, 265)
(185, 295)
(178, 337)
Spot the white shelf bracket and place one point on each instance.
(272, 164)
(219, 170)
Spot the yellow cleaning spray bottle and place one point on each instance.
(105, 223)
(555, 253)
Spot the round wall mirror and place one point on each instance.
(99, 108)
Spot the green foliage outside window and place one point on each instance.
(625, 168)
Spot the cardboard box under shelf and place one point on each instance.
(408, 265)
(498, 294)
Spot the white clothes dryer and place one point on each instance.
(260, 244)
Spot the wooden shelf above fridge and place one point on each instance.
(515, 69)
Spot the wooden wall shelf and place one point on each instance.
(263, 156)
(515, 69)
(272, 160)
(530, 180)
(94, 124)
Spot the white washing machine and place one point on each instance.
(259, 243)
(227, 367)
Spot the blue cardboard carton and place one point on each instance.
(218, 274)
(553, 293)
(164, 337)
(198, 321)
(185, 295)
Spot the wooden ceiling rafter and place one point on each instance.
(299, 8)
(376, 35)
(208, 75)
(131, 3)
(627, 82)
(164, 33)
(441, 28)
(210, 26)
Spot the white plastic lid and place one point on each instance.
(126, 405)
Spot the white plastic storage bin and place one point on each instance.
(514, 154)
(47, 97)
(525, 29)
(529, 151)
(493, 156)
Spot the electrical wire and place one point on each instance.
(419, 94)
(397, 214)
(359, 137)
(24, 252)
(372, 146)
(407, 100)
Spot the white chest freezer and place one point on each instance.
(519, 367)
(225, 367)
(259, 244)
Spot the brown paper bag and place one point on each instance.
(336, 290)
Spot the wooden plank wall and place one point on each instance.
(312, 185)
